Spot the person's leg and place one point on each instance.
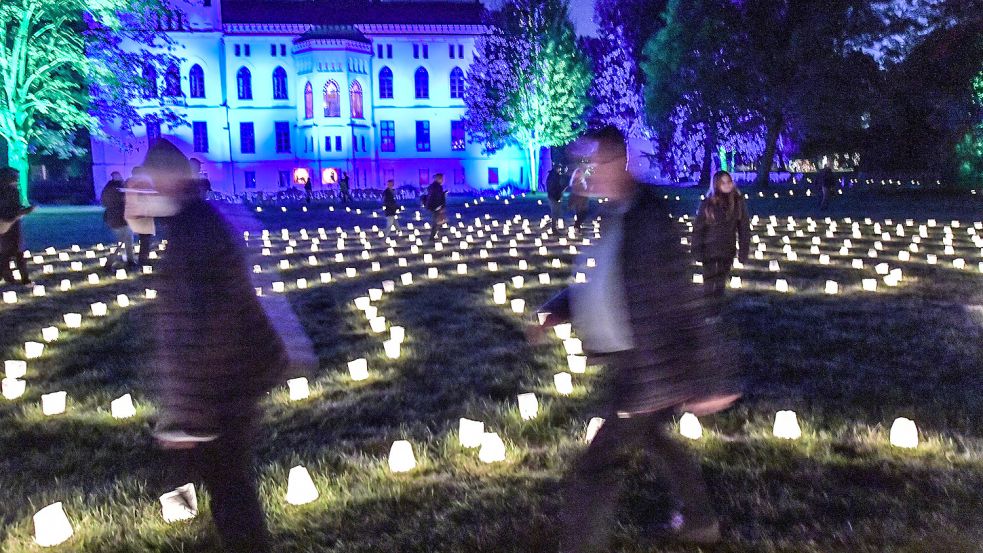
(6, 274)
(21, 262)
(228, 473)
(144, 240)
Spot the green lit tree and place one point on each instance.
(64, 69)
(527, 86)
(969, 150)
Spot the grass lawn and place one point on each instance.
(848, 364)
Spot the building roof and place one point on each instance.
(337, 32)
(351, 12)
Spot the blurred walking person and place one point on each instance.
(114, 203)
(138, 195)
(436, 203)
(390, 207)
(219, 351)
(722, 231)
(557, 183)
(639, 315)
(579, 202)
(308, 191)
(345, 188)
(11, 239)
(827, 185)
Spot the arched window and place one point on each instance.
(385, 83)
(244, 82)
(172, 81)
(332, 100)
(457, 83)
(150, 81)
(422, 81)
(356, 100)
(308, 101)
(196, 81)
(279, 84)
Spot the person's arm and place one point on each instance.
(557, 309)
(743, 233)
(699, 233)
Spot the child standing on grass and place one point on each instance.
(722, 231)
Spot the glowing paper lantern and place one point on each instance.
(179, 504)
(470, 433)
(580, 278)
(362, 303)
(51, 526)
(832, 287)
(563, 330)
(93, 278)
(544, 278)
(564, 383)
(492, 448)
(787, 426)
(378, 324)
(123, 300)
(432, 272)
(150, 294)
(518, 306)
(33, 350)
(10, 297)
(870, 284)
(904, 433)
(492, 266)
(122, 407)
(350, 272)
(298, 388)
(325, 278)
(697, 278)
(375, 294)
(13, 388)
(388, 286)
(121, 274)
(300, 487)
(73, 320)
(528, 406)
(781, 285)
(15, 368)
(577, 364)
(593, 427)
(573, 346)
(301, 283)
(735, 282)
(359, 369)
(279, 287)
(882, 268)
(392, 348)
(690, 427)
(518, 281)
(401, 458)
(406, 278)
(498, 293)
(397, 334)
(99, 309)
(371, 312)
(53, 403)
(39, 291)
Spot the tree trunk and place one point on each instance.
(532, 151)
(709, 145)
(17, 158)
(774, 129)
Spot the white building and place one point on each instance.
(276, 90)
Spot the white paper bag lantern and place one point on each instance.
(573, 346)
(325, 278)
(388, 286)
(593, 427)
(93, 278)
(904, 256)
(904, 433)
(99, 309)
(279, 287)
(301, 283)
(406, 278)
(870, 284)
(832, 287)
(470, 433)
(787, 426)
(781, 285)
(397, 334)
(577, 364)
(563, 330)
(401, 458)
(432, 272)
(498, 293)
(298, 388)
(882, 268)
(392, 348)
(150, 294)
(518, 306)
(690, 427)
(462, 269)
(580, 278)
(73, 320)
(33, 350)
(15, 368)
(371, 312)
(351, 272)
(13, 388)
(359, 369)
(39, 291)
(51, 526)
(123, 300)
(375, 294)
(10, 297)
(544, 278)
(518, 281)
(179, 504)
(121, 274)
(300, 487)
(735, 282)
(492, 448)
(564, 383)
(824, 259)
(53, 403)
(858, 264)
(528, 406)
(122, 407)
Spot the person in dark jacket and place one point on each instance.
(557, 183)
(11, 212)
(639, 315)
(390, 207)
(345, 188)
(826, 184)
(201, 182)
(308, 190)
(436, 204)
(114, 202)
(218, 351)
(579, 202)
(722, 231)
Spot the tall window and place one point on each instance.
(247, 138)
(196, 81)
(457, 136)
(356, 100)
(199, 131)
(493, 175)
(244, 82)
(423, 136)
(337, 143)
(250, 178)
(457, 83)
(172, 81)
(385, 83)
(153, 131)
(424, 177)
(150, 84)
(279, 84)
(327, 143)
(282, 131)
(332, 100)
(422, 81)
(308, 101)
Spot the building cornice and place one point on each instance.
(369, 29)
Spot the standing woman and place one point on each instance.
(722, 231)
(11, 212)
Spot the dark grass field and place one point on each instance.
(848, 364)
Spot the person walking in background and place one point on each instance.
(345, 188)
(201, 182)
(390, 207)
(308, 190)
(219, 351)
(114, 202)
(579, 202)
(826, 184)
(138, 190)
(639, 315)
(722, 231)
(436, 203)
(11, 239)
(557, 183)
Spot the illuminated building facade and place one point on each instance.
(275, 90)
